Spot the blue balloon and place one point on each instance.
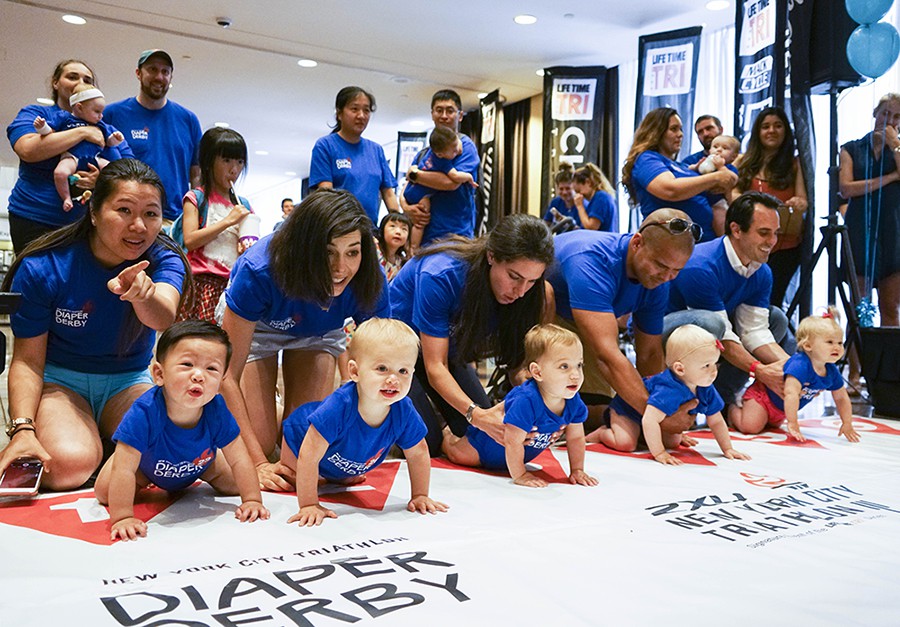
(873, 48)
(868, 11)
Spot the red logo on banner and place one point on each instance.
(550, 469)
(763, 481)
(768, 436)
(686, 455)
(78, 515)
(860, 424)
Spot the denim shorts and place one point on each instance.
(267, 342)
(95, 388)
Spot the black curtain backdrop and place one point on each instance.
(514, 139)
(471, 126)
(608, 149)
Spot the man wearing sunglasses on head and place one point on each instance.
(599, 277)
(725, 289)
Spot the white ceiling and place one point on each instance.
(247, 75)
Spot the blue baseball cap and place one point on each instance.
(155, 52)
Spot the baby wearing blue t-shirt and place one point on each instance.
(820, 343)
(87, 104)
(170, 435)
(692, 355)
(444, 145)
(350, 432)
(534, 413)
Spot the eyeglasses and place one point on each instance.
(677, 226)
(439, 111)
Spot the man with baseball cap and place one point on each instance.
(162, 133)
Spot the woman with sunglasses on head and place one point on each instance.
(35, 207)
(769, 166)
(346, 160)
(93, 293)
(290, 293)
(655, 180)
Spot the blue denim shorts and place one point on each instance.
(95, 388)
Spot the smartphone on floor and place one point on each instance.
(22, 477)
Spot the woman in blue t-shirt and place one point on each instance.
(35, 207)
(654, 179)
(346, 160)
(467, 300)
(93, 293)
(599, 214)
(290, 293)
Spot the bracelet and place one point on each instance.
(753, 369)
(20, 429)
(469, 411)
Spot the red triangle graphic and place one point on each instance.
(686, 455)
(551, 471)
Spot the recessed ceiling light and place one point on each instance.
(222, 124)
(290, 174)
(400, 80)
(717, 5)
(261, 153)
(525, 20)
(46, 101)
(568, 16)
(74, 19)
(540, 72)
(307, 63)
(482, 94)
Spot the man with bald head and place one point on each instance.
(725, 289)
(599, 277)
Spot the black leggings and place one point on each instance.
(435, 410)
(23, 231)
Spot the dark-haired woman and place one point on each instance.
(93, 293)
(346, 160)
(291, 293)
(769, 166)
(467, 300)
(35, 207)
(654, 179)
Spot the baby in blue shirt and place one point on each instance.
(535, 412)
(692, 355)
(348, 434)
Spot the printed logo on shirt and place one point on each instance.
(351, 467)
(282, 325)
(541, 440)
(172, 470)
(75, 318)
(343, 164)
(140, 133)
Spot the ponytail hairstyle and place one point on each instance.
(591, 172)
(344, 98)
(566, 173)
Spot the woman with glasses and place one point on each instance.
(769, 166)
(654, 179)
(346, 160)
(290, 293)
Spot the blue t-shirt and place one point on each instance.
(34, 196)
(651, 164)
(590, 273)
(414, 192)
(167, 139)
(697, 157)
(427, 293)
(567, 212)
(354, 447)
(64, 294)
(526, 410)
(254, 294)
(603, 207)
(709, 282)
(800, 367)
(453, 212)
(359, 168)
(173, 457)
(86, 152)
(667, 394)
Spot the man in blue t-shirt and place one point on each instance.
(452, 209)
(162, 133)
(600, 277)
(725, 289)
(707, 127)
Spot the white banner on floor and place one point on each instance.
(800, 534)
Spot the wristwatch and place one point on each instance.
(469, 411)
(15, 423)
(413, 176)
